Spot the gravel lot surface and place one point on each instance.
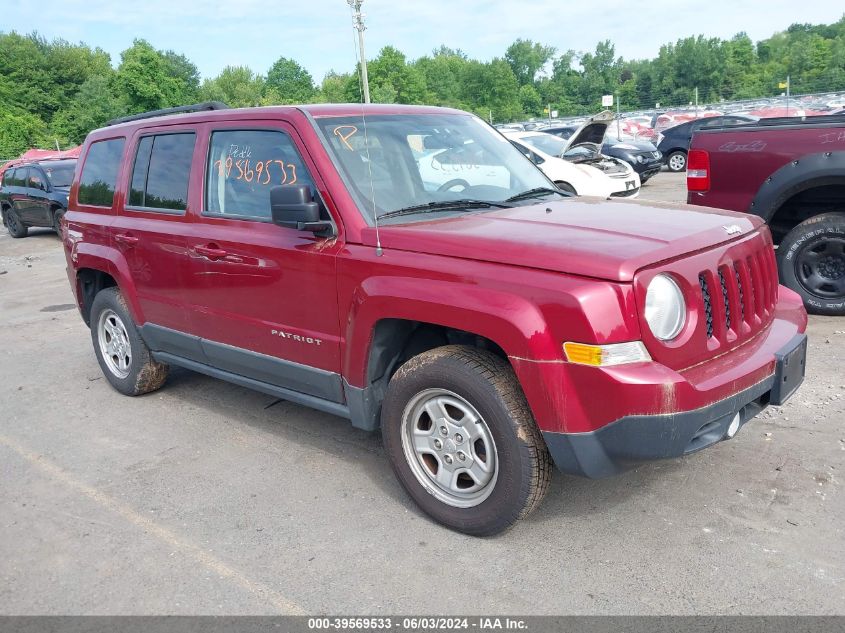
(203, 499)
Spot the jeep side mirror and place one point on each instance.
(293, 206)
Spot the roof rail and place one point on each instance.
(197, 107)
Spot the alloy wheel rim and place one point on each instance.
(114, 343)
(677, 162)
(449, 448)
(820, 267)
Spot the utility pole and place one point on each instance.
(618, 115)
(358, 25)
(696, 102)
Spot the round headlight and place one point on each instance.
(640, 158)
(665, 308)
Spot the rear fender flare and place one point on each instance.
(808, 172)
(112, 262)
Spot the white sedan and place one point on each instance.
(577, 165)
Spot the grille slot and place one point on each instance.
(708, 304)
(741, 293)
(726, 300)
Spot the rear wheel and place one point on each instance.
(677, 161)
(123, 356)
(14, 225)
(811, 259)
(462, 440)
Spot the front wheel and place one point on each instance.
(123, 356)
(462, 440)
(811, 260)
(677, 161)
(58, 214)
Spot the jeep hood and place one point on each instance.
(592, 237)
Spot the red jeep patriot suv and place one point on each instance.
(408, 268)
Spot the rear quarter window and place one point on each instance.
(99, 173)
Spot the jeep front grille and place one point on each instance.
(745, 297)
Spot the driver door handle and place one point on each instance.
(211, 252)
(126, 238)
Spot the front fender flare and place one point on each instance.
(512, 322)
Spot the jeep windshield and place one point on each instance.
(408, 167)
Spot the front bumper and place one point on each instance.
(635, 439)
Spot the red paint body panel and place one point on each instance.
(527, 278)
(581, 236)
(743, 157)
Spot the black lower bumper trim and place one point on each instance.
(635, 439)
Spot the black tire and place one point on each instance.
(17, 229)
(58, 214)
(143, 373)
(565, 186)
(679, 163)
(490, 386)
(811, 261)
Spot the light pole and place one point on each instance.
(358, 24)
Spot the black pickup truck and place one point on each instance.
(35, 194)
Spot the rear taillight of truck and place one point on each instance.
(698, 170)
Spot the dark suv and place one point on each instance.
(35, 194)
(674, 141)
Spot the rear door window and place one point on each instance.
(99, 173)
(21, 176)
(161, 172)
(243, 165)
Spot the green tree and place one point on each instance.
(392, 77)
(20, 131)
(186, 74)
(145, 79)
(23, 63)
(90, 108)
(290, 81)
(491, 88)
(236, 86)
(530, 101)
(333, 87)
(526, 58)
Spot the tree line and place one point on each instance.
(56, 92)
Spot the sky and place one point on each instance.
(319, 35)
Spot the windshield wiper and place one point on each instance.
(445, 205)
(534, 193)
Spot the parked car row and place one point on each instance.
(578, 164)
(643, 157)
